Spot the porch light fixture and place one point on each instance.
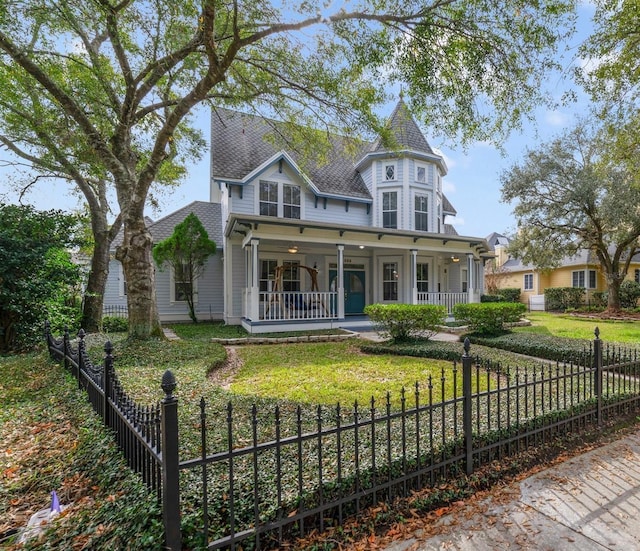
(455, 258)
(293, 249)
(360, 246)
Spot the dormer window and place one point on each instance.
(390, 172)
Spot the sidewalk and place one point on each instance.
(588, 503)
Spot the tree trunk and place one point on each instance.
(613, 291)
(139, 270)
(97, 281)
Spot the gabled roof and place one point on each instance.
(241, 142)
(210, 214)
(447, 207)
(495, 239)
(405, 132)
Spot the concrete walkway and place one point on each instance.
(588, 503)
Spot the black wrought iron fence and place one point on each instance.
(268, 476)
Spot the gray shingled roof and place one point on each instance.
(447, 207)
(240, 143)
(210, 214)
(405, 132)
(450, 230)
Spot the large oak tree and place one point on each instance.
(570, 197)
(124, 76)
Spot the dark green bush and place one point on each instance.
(629, 294)
(402, 322)
(113, 324)
(561, 298)
(510, 294)
(599, 299)
(490, 298)
(540, 346)
(489, 318)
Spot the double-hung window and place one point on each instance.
(421, 213)
(584, 278)
(577, 279)
(279, 199)
(182, 283)
(390, 281)
(422, 277)
(528, 282)
(390, 209)
(268, 198)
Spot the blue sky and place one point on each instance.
(473, 182)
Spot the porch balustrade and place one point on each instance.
(291, 305)
(443, 299)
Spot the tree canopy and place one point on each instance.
(567, 199)
(118, 82)
(186, 252)
(37, 278)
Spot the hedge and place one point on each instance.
(402, 322)
(489, 318)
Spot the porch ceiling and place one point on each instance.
(294, 230)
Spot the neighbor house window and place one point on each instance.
(390, 281)
(636, 275)
(268, 198)
(528, 282)
(421, 214)
(422, 278)
(592, 279)
(390, 209)
(182, 284)
(421, 174)
(123, 282)
(389, 172)
(577, 279)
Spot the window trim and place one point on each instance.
(425, 213)
(426, 176)
(172, 289)
(122, 282)
(526, 277)
(279, 202)
(581, 279)
(395, 210)
(392, 282)
(387, 164)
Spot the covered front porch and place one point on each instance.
(326, 275)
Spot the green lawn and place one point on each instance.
(566, 325)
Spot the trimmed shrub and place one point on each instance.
(511, 294)
(402, 322)
(489, 318)
(490, 298)
(561, 298)
(629, 294)
(548, 347)
(112, 324)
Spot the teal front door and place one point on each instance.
(353, 290)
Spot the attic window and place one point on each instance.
(421, 174)
(389, 172)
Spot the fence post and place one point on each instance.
(170, 465)
(81, 345)
(597, 373)
(65, 349)
(107, 378)
(467, 422)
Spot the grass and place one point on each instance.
(576, 327)
(328, 373)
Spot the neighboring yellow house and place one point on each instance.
(581, 270)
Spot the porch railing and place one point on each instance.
(443, 299)
(290, 305)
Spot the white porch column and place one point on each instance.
(471, 284)
(340, 288)
(254, 282)
(413, 274)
